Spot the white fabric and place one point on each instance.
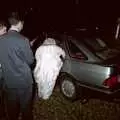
(14, 28)
(48, 65)
(49, 41)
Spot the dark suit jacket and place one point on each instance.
(16, 57)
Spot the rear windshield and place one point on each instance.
(97, 45)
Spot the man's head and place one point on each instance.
(3, 27)
(16, 21)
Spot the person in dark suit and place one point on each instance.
(3, 31)
(16, 58)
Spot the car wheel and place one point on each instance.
(68, 88)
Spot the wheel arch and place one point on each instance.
(64, 74)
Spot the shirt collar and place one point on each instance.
(13, 29)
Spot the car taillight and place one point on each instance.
(111, 82)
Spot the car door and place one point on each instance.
(83, 70)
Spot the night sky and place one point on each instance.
(64, 14)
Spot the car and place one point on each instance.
(90, 64)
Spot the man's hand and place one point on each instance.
(32, 42)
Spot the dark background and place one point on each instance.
(63, 15)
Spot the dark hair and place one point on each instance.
(14, 18)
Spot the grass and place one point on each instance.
(58, 108)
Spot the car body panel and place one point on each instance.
(89, 71)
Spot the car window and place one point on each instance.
(74, 51)
(97, 44)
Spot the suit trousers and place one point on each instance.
(19, 101)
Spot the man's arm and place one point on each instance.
(27, 52)
(33, 41)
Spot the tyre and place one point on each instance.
(68, 87)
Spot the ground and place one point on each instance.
(58, 108)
